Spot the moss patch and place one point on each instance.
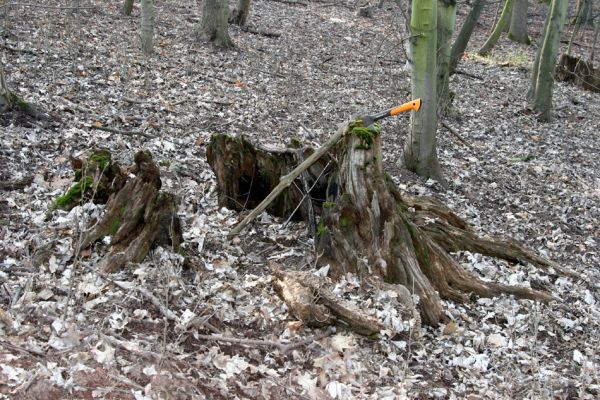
(75, 194)
(99, 159)
(366, 135)
(321, 228)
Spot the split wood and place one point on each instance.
(287, 180)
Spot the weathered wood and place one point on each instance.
(137, 218)
(287, 180)
(578, 71)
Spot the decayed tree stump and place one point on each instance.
(138, 217)
(578, 71)
(96, 178)
(369, 228)
(246, 174)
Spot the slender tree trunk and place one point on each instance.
(547, 60)
(445, 28)
(420, 150)
(214, 24)
(596, 30)
(460, 44)
(241, 13)
(147, 26)
(498, 29)
(6, 98)
(518, 22)
(127, 7)
(584, 13)
(536, 61)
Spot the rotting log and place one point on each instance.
(137, 218)
(369, 228)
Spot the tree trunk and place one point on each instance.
(460, 44)
(595, 41)
(240, 14)
(370, 229)
(500, 27)
(6, 98)
(127, 7)
(544, 75)
(147, 26)
(214, 25)
(518, 22)
(445, 28)
(584, 14)
(9, 101)
(420, 150)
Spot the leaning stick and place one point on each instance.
(287, 180)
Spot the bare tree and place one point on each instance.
(240, 14)
(127, 7)
(542, 80)
(518, 22)
(420, 150)
(460, 44)
(147, 26)
(500, 27)
(214, 24)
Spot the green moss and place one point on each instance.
(345, 221)
(99, 159)
(366, 135)
(114, 226)
(328, 204)
(295, 143)
(75, 193)
(164, 163)
(78, 174)
(321, 228)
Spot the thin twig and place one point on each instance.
(284, 348)
(125, 133)
(453, 132)
(460, 72)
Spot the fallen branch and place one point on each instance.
(261, 33)
(284, 348)
(125, 133)
(460, 72)
(453, 132)
(16, 184)
(289, 178)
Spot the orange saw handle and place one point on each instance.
(411, 105)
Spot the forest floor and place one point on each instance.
(67, 333)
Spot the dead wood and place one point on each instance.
(369, 228)
(578, 71)
(308, 298)
(137, 218)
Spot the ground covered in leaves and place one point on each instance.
(68, 332)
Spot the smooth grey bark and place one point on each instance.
(147, 26)
(460, 44)
(584, 13)
(544, 76)
(596, 30)
(500, 27)
(214, 24)
(445, 28)
(127, 7)
(518, 22)
(5, 95)
(420, 150)
(240, 14)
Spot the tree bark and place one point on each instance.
(127, 7)
(500, 27)
(445, 28)
(544, 76)
(420, 150)
(214, 24)
(460, 44)
(147, 26)
(518, 22)
(584, 14)
(240, 14)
